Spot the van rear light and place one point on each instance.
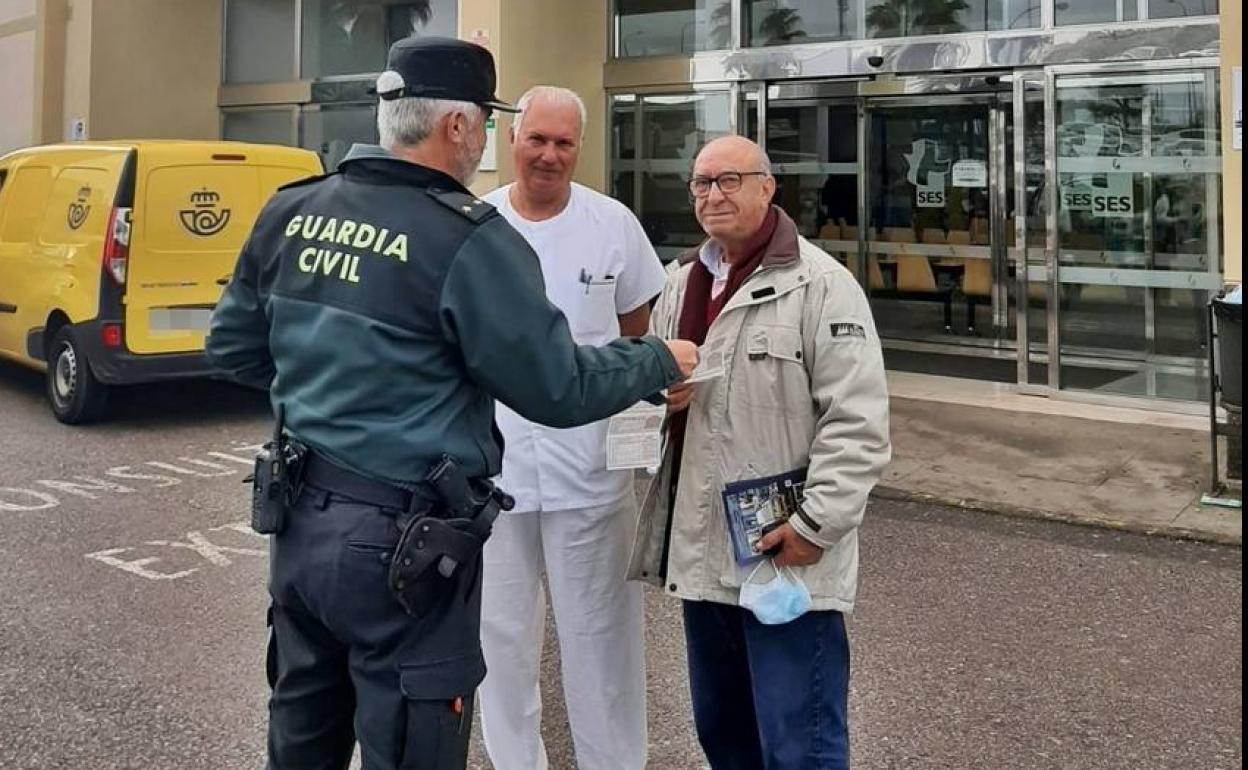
(117, 244)
(111, 334)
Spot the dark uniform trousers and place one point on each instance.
(346, 663)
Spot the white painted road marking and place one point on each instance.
(45, 494)
(214, 553)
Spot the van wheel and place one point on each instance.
(76, 396)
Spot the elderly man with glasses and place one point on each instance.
(793, 387)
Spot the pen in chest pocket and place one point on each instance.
(587, 279)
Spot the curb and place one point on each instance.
(1023, 512)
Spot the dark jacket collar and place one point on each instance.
(375, 164)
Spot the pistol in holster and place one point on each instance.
(275, 481)
(433, 551)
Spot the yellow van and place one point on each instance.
(113, 254)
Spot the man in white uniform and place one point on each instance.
(574, 520)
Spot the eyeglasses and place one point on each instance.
(728, 182)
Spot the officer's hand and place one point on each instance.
(678, 398)
(686, 355)
(795, 550)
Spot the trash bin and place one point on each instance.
(1230, 319)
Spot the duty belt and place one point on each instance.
(331, 477)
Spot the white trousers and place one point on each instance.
(598, 616)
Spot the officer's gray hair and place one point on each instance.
(409, 121)
(552, 95)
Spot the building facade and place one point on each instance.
(1037, 192)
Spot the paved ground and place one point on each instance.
(1140, 476)
(132, 623)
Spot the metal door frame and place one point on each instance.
(992, 90)
(1052, 272)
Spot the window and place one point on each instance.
(654, 142)
(1093, 11)
(259, 41)
(352, 37)
(262, 126)
(907, 18)
(335, 37)
(1097, 11)
(658, 27)
(1172, 9)
(781, 22)
(1139, 161)
(330, 131)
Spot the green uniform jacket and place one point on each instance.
(386, 308)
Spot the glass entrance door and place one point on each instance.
(913, 194)
(939, 232)
(1137, 159)
(811, 135)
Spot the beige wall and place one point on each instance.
(76, 97)
(561, 43)
(12, 10)
(50, 27)
(155, 68)
(17, 88)
(483, 16)
(1233, 160)
(531, 49)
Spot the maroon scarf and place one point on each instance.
(699, 311)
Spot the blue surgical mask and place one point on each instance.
(780, 600)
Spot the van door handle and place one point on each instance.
(223, 281)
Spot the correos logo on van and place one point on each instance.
(79, 209)
(204, 218)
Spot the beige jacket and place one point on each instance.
(803, 385)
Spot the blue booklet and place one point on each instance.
(754, 504)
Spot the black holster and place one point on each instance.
(434, 551)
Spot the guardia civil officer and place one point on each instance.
(386, 309)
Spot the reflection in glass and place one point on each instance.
(904, 18)
(674, 128)
(780, 22)
(911, 174)
(259, 41)
(263, 126)
(659, 27)
(351, 37)
(330, 132)
(1170, 9)
(1093, 11)
(1036, 218)
(928, 177)
(623, 187)
(814, 152)
(623, 127)
(1119, 224)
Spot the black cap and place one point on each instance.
(440, 68)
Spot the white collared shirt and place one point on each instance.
(712, 257)
(598, 264)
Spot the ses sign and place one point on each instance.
(927, 168)
(1103, 195)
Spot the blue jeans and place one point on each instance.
(768, 697)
